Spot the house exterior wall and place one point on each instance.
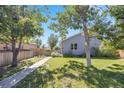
(79, 40)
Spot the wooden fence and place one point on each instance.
(6, 56)
(42, 51)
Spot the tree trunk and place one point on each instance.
(15, 50)
(14, 54)
(14, 58)
(87, 45)
(83, 15)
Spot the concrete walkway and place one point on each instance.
(14, 79)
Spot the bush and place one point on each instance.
(98, 53)
(105, 52)
(56, 54)
(70, 55)
(109, 52)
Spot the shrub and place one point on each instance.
(109, 52)
(70, 55)
(56, 54)
(105, 52)
(98, 53)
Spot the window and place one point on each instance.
(71, 46)
(74, 46)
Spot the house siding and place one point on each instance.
(79, 40)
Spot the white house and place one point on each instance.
(74, 45)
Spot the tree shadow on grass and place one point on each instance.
(39, 78)
(74, 70)
(116, 67)
(100, 77)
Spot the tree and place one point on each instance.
(43, 46)
(118, 13)
(52, 41)
(59, 28)
(83, 12)
(18, 23)
(38, 41)
(79, 17)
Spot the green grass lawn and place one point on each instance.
(21, 65)
(62, 72)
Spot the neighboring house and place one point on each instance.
(75, 45)
(23, 46)
(29, 46)
(5, 46)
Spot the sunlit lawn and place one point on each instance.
(71, 72)
(21, 65)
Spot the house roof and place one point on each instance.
(72, 36)
(76, 35)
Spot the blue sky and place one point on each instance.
(53, 10)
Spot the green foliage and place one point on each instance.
(118, 12)
(108, 50)
(74, 56)
(118, 37)
(38, 41)
(20, 22)
(105, 50)
(59, 28)
(72, 17)
(98, 53)
(52, 41)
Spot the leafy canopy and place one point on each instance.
(20, 22)
(73, 16)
